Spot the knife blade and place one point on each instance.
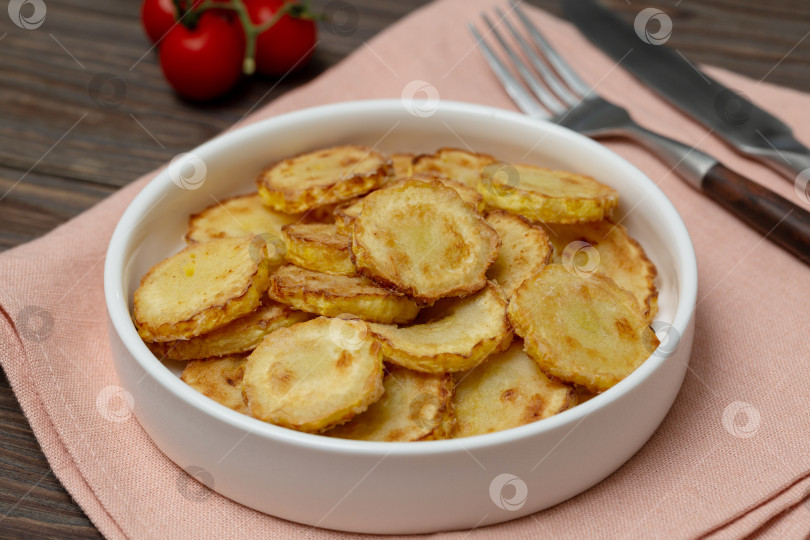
(730, 115)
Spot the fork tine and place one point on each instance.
(525, 101)
(551, 79)
(550, 102)
(568, 75)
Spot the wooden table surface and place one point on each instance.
(65, 145)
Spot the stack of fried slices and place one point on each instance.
(401, 298)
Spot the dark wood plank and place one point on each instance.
(52, 76)
(762, 40)
(44, 94)
(38, 203)
(63, 146)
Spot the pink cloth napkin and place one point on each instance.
(730, 459)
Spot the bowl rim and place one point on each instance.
(119, 314)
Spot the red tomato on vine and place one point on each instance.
(204, 62)
(157, 17)
(205, 45)
(289, 43)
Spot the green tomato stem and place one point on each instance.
(252, 31)
(185, 16)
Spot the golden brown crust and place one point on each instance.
(331, 295)
(219, 379)
(243, 215)
(346, 213)
(241, 335)
(581, 329)
(373, 238)
(303, 378)
(547, 196)
(403, 164)
(423, 240)
(319, 247)
(524, 250)
(459, 165)
(454, 334)
(468, 195)
(414, 407)
(607, 248)
(203, 287)
(320, 214)
(507, 390)
(323, 177)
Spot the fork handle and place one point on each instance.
(770, 214)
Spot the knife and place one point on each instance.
(732, 117)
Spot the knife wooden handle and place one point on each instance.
(770, 214)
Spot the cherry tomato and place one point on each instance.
(285, 46)
(157, 17)
(205, 62)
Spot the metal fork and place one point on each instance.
(559, 95)
(567, 100)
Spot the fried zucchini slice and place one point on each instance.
(606, 247)
(468, 195)
(219, 379)
(320, 214)
(346, 213)
(524, 250)
(459, 165)
(507, 390)
(403, 164)
(454, 334)
(238, 216)
(330, 295)
(239, 336)
(203, 287)
(581, 329)
(415, 407)
(547, 196)
(302, 378)
(323, 177)
(423, 240)
(319, 247)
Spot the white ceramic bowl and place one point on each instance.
(397, 487)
